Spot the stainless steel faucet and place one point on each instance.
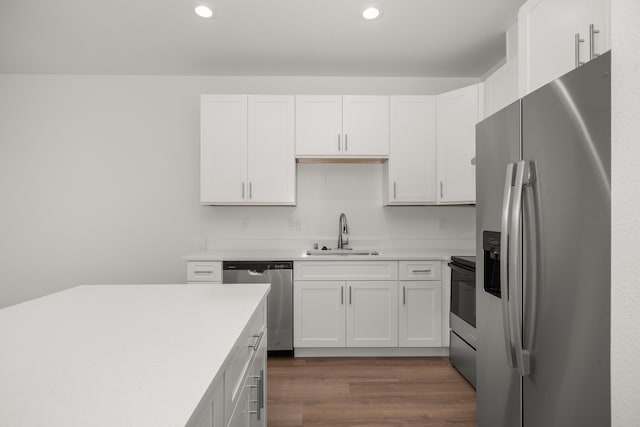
(343, 231)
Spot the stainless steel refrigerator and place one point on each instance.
(543, 255)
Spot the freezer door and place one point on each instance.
(567, 208)
(498, 386)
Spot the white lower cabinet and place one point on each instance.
(372, 314)
(319, 314)
(420, 315)
(361, 311)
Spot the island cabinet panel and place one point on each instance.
(243, 355)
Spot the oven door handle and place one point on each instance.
(504, 266)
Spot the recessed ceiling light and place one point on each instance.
(204, 11)
(370, 13)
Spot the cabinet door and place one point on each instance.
(501, 88)
(366, 125)
(271, 159)
(372, 314)
(420, 314)
(457, 116)
(257, 384)
(599, 14)
(546, 40)
(223, 149)
(318, 126)
(319, 314)
(240, 414)
(412, 151)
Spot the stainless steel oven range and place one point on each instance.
(462, 348)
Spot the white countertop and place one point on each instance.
(116, 355)
(301, 255)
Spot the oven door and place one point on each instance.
(463, 293)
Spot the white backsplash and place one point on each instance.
(326, 190)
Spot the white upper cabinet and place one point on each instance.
(365, 125)
(270, 155)
(247, 150)
(457, 116)
(339, 126)
(501, 88)
(411, 176)
(223, 148)
(556, 36)
(318, 126)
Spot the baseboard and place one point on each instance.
(372, 352)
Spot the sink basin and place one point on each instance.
(342, 252)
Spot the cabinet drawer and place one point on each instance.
(345, 270)
(204, 271)
(420, 270)
(242, 355)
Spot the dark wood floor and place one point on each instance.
(358, 392)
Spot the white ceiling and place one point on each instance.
(437, 38)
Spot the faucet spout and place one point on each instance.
(343, 231)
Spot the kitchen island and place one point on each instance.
(134, 355)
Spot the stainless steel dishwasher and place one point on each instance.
(279, 302)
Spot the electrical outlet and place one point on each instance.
(293, 224)
(443, 224)
(244, 223)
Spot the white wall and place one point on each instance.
(625, 265)
(99, 178)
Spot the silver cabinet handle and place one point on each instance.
(578, 40)
(404, 295)
(243, 189)
(203, 272)
(259, 386)
(338, 142)
(250, 190)
(421, 271)
(515, 271)
(346, 142)
(592, 42)
(261, 389)
(349, 295)
(441, 189)
(504, 264)
(341, 295)
(257, 343)
(394, 189)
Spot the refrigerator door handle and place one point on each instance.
(515, 270)
(504, 264)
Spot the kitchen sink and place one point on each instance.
(342, 252)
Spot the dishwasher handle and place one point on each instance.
(256, 272)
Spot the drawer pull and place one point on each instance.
(203, 272)
(421, 271)
(257, 343)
